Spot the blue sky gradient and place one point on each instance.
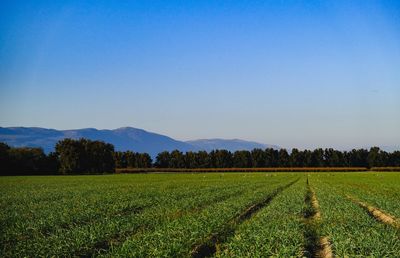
(293, 73)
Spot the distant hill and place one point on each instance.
(125, 138)
(232, 145)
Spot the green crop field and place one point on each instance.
(353, 214)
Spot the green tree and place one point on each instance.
(333, 158)
(394, 159)
(242, 159)
(85, 156)
(5, 165)
(143, 160)
(258, 158)
(176, 159)
(317, 158)
(203, 159)
(163, 160)
(120, 159)
(221, 158)
(374, 157)
(283, 158)
(357, 158)
(131, 159)
(190, 160)
(71, 155)
(27, 160)
(271, 157)
(295, 158)
(100, 156)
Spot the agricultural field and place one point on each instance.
(298, 214)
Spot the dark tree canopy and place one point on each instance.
(20, 161)
(84, 156)
(278, 158)
(129, 159)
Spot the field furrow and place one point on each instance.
(376, 188)
(275, 230)
(351, 230)
(316, 245)
(209, 247)
(376, 213)
(201, 215)
(180, 236)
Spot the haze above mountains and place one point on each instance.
(124, 138)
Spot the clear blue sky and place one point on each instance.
(292, 73)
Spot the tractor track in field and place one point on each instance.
(376, 213)
(315, 244)
(209, 246)
(104, 245)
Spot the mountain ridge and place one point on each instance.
(123, 139)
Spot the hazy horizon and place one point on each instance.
(388, 148)
(292, 73)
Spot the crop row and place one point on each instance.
(378, 189)
(180, 236)
(352, 231)
(274, 231)
(162, 202)
(198, 215)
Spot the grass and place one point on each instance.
(163, 215)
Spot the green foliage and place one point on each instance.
(163, 159)
(137, 214)
(164, 215)
(352, 231)
(17, 161)
(258, 158)
(242, 159)
(129, 159)
(91, 157)
(221, 159)
(85, 156)
(275, 231)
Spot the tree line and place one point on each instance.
(81, 156)
(85, 156)
(259, 158)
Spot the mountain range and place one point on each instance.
(123, 139)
